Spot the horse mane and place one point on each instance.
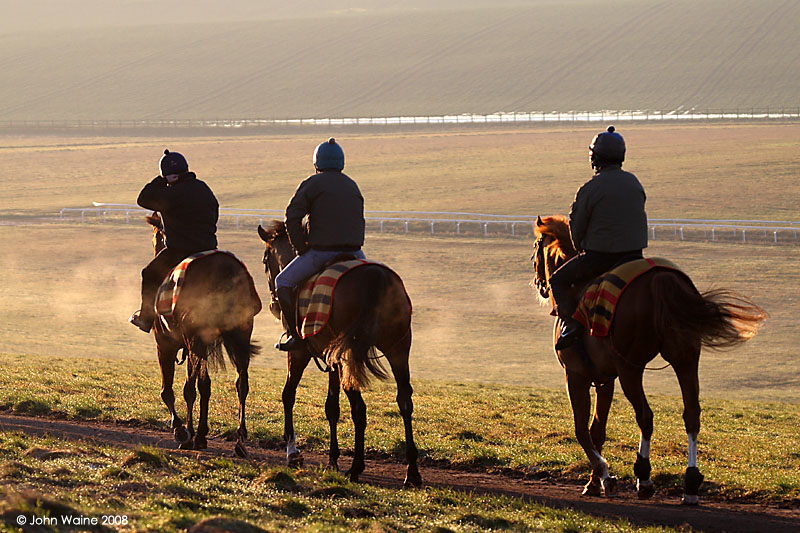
(557, 227)
(275, 229)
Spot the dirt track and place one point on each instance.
(661, 510)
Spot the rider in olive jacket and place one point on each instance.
(335, 210)
(189, 213)
(608, 225)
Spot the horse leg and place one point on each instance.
(298, 360)
(242, 388)
(578, 392)
(204, 387)
(190, 395)
(399, 364)
(358, 410)
(604, 394)
(237, 343)
(332, 414)
(690, 389)
(166, 361)
(631, 382)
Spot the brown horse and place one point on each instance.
(371, 310)
(659, 312)
(215, 308)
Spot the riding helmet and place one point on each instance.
(172, 163)
(329, 156)
(607, 148)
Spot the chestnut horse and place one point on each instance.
(659, 312)
(371, 310)
(215, 308)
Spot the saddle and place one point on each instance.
(170, 289)
(315, 297)
(599, 298)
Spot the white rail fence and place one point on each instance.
(465, 223)
(675, 115)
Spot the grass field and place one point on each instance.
(747, 451)
(384, 58)
(481, 352)
(146, 489)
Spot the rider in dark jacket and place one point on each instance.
(608, 224)
(189, 213)
(335, 210)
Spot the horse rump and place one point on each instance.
(718, 318)
(354, 348)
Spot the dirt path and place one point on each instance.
(661, 510)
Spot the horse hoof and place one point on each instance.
(645, 489)
(182, 435)
(610, 487)
(294, 460)
(690, 499)
(412, 481)
(332, 465)
(188, 445)
(200, 443)
(240, 450)
(352, 475)
(592, 488)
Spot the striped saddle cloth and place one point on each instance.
(599, 300)
(315, 298)
(170, 289)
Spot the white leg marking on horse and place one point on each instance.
(644, 447)
(291, 448)
(604, 464)
(692, 450)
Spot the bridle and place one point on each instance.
(540, 281)
(272, 268)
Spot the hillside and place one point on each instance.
(375, 58)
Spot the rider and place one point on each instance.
(335, 210)
(608, 225)
(189, 213)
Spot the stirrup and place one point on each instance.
(291, 344)
(137, 321)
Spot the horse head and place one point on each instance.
(278, 253)
(158, 231)
(553, 248)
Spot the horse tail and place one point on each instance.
(718, 318)
(355, 347)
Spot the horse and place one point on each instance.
(215, 308)
(661, 311)
(371, 310)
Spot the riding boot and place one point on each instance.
(286, 300)
(571, 330)
(146, 315)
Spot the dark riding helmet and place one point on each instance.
(172, 163)
(607, 148)
(329, 156)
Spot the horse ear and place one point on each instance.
(154, 220)
(539, 221)
(263, 234)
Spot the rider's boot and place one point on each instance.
(146, 315)
(571, 330)
(286, 300)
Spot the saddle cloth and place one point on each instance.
(315, 298)
(170, 289)
(599, 299)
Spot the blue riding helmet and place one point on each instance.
(329, 156)
(607, 147)
(172, 163)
